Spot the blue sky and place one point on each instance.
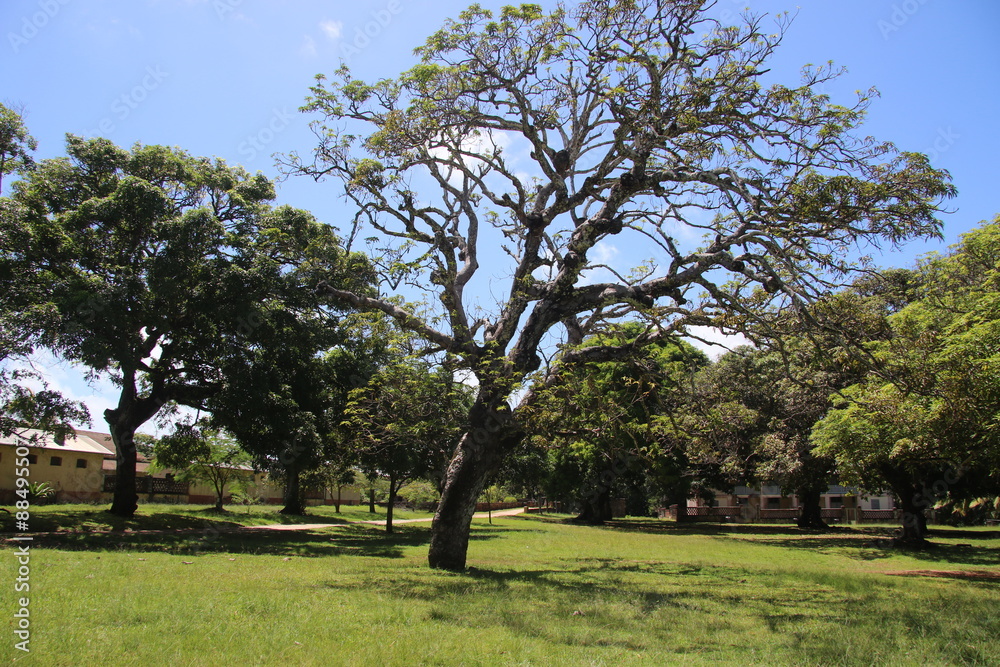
(225, 78)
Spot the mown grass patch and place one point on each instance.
(538, 592)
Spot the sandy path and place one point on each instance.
(376, 522)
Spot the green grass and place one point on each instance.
(538, 592)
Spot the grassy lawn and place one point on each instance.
(539, 592)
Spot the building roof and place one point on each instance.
(103, 439)
(77, 442)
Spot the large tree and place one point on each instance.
(284, 398)
(148, 266)
(550, 135)
(925, 423)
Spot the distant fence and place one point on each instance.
(150, 485)
(742, 513)
(493, 507)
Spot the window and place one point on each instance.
(32, 458)
(836, 502)
(876, 504)
(81, 463)
(55, 461)
(773, 504)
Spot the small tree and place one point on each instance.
(204, 455)
(405, 423)
(490, 495)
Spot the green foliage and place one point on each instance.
(420, 492)
(40, 492)
(928, 418)
(406, 421)
(608, 424)
(200, 454)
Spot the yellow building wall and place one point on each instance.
(72, 484)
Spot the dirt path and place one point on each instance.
(375, 522)
(237, 529)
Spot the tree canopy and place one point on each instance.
(150, 267)
(925, 424)
(644, 123)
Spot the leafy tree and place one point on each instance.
(491, 495)
(606, 419)
(21, 407)
(16, 145)
(285, 399)
(204, 455)
(145, 444)
(420, 493)
(749, 421)
(925, 423)
(405, 423)
(645, 122)
(332, 476)
(149, 267)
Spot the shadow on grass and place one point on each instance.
(860, 548)
(218, 537)
(88, 521)
(605, 601)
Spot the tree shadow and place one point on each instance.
(90, 521)
(347, 540)
(859, 548)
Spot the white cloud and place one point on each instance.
(308, 48)
(713, 342)
(332, 29)
(604, 253)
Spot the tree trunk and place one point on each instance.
(914, 528)
(131, 413)
(681, 500)
(336, 504)
(126, 500)
(596, 507)
(389, 507)
(293, 493)
(811, 515)
(492, 434)
(913, 503)
(371, 500)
